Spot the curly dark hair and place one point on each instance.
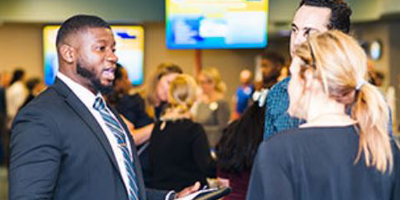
(239, 143)
(340, 16)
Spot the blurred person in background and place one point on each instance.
(284, 73)
(15, 96)
(242, 98)
(5, 79)
(236, 151)
(127, 100)
(211, 110)
(157, 87)
(141, 111)
(272, 64)
(375, 77)
(16, 93)
(35, 86)
(130, 104)
(312, 16)
(179, 152)
(333, 155)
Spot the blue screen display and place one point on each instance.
(210, 24)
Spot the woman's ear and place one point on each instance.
(308, 78)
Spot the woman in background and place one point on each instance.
(35, 86)
(127, 100)
(157, 88)
(212, 111)
(130, 104)
(236, 151)
(333, 155)
(16, 93)
(178, 151)
(143, 112)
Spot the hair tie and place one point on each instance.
(361, 82)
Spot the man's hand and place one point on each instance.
(223, 182)
(188, 190)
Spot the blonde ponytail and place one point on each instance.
(372, 113)
(341, 65)
(182, 94)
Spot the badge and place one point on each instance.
(213, 106)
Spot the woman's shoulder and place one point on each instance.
(190, 124)
(131, 98)
(288, 134)
(284, 144)
(222, 101)
(182, 127)
(222, 104)
(285, 139)
(301, 136)
(184, 123)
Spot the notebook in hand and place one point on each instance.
(208, 194)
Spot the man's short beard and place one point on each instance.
(92, 78)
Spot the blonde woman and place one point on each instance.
(143, 112)
(212, 111)
(136, 111)
(178, 151)
(157, 88)
(333, 155)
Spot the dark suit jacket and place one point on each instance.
(60, 152)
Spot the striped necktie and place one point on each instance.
(117, 130)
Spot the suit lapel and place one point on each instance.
(85, 115)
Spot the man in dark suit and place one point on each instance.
(68, 144)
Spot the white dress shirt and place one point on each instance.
(88, 99)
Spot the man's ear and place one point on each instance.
(67, 53)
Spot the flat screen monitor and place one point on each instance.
(129, 50)
(216, 24)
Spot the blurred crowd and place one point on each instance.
(178, 120)
(17, 89)
(315, 127)
(182, 105)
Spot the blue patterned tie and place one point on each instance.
(118, 132)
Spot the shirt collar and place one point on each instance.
(85, 95)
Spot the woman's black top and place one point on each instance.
(179, 155)
(319, 163)
(133, 108)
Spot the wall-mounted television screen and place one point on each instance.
(216, 24)
(129, 49)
